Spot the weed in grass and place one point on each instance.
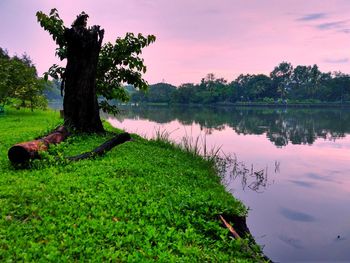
(256, 180)
(163, 135)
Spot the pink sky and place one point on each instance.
(195, 37)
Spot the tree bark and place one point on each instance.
(23, 152)
(80, 105)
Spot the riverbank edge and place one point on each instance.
(240, 222)
(50, 117)
(320, 105)
(243, 104)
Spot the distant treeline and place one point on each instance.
(285, 84)
(21, 87)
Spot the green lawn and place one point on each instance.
(142, 201)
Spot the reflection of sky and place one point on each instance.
(305, 206)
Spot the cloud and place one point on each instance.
(339, 26)
(337, 61)
(345, 30)
(332, 25)
(313, 16)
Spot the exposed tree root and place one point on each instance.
(103, 148)
(242, 231)
(229, 227)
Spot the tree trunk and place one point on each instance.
(81, 111)
(23, 152)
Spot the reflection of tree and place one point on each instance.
(255, 180)
(296, 126)
(248, 176)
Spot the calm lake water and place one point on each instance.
(293, 170)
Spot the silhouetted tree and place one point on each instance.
(281, 77)
(93, 69)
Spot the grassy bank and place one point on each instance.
(142, 201)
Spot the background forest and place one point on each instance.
(21, 87)
(285, 84)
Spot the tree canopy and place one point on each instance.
(300, 84)
(119, 63)
(19, 83)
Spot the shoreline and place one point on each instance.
(263, 105)
(165, 207)
(53, 105)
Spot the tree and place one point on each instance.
(300, 82)
(93, 69)
(27, 87)
(338, 87)
(315, 79)
(242, 91)
(4, 76)
(211, 89)
(160, 92)
(254, 87)
(185, 93)
(18, 80)
(281, 77)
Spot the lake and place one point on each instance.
(293, 170)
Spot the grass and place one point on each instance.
(144, 201)
(196, 146)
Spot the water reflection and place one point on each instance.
(296, 215)
(321, 178)
(292, 174)
(293, 242)
(249, 178)
(303, 183)
(296, 126)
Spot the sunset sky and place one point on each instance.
(195, 37)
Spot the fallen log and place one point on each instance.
(22, 152)
(103, 148)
